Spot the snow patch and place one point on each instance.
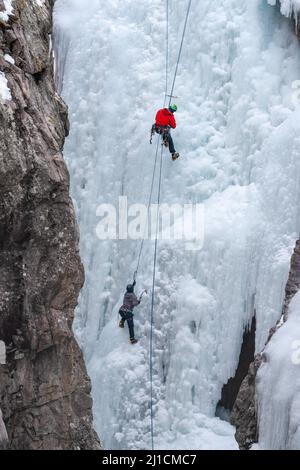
(4, 15)
(4, 90)
(9, 58)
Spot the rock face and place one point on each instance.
(293, 284)
(3, 434)
(44, 387)
(244, 415)
(231, 389)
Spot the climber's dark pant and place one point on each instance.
(166, 136)
(171, 144)
(128, 316)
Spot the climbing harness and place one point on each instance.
(163, 131)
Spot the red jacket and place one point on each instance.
(164, 117)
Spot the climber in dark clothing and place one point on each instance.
(126, 311)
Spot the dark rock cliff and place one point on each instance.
(44, 387)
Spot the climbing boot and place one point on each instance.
(175, 156)
(122, 323)
(133, 340)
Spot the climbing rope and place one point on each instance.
(157, 146)
(156, 237)
(180, 49)
(167, 51)
(158, 201)
(152, 297)
(148, 210)
(166, 95)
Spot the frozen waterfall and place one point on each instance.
(239, 137)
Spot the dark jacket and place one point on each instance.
(130, 301)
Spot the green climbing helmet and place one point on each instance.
(173, 108)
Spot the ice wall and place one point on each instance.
(287, 7)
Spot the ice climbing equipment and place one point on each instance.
(142, 294)
(153, 131)
(134, 341)
(163, 131)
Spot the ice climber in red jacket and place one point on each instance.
(165, 121)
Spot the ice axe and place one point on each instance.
(142, 294)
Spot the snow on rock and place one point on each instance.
(3, 433)
(238, 133)
(8, 9)
(40, 3)
(9, 58)
(5, 94)
(278, 386)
